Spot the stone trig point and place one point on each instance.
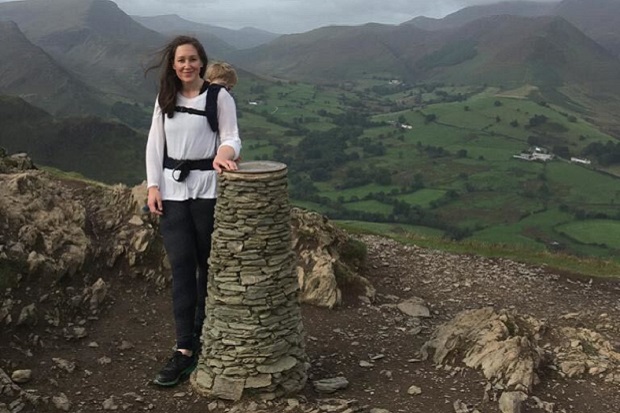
(253, 338)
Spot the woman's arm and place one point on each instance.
(225, 159)
(230, 146)
(154, 160)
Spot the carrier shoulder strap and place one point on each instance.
(211, 107)
(184, 109)
(213, 90)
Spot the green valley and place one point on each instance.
(443, 157)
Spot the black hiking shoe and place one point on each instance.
(178, 368)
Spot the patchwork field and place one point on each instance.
(439, 157)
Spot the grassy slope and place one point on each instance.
(504, 204)
(102, 150)
(584, 266)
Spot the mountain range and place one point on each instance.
(94, 43)
(469, 14)
(40, 79)
(88, 57)
(504, 37)
(93, 39)
(100, 149)
(219, 39)
(598, 19)
(502, 50)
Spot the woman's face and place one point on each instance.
(187, 63)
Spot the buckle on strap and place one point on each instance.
(180, 171)
(182, 167)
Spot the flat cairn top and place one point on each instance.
(257, 167)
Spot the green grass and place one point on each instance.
(388, 229)
(526, 231)
(594, 232)
(312, 206)
(422, 197)
(499, 197)
(71, 176)
(369, 206)
(259, 125)
(581, 266)
(489, 209)
(507, 235)
(584, 186)
(541, 230)
(330, 192)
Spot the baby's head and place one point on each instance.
(222, 73)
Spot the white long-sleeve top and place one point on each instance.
(189, 137)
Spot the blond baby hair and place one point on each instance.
(222, 73)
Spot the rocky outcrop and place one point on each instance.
(53, 228)
(500, 344)
(15, 163)
(328, 260)
(512, 349)
(584, 352)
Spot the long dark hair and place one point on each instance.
(169, 83)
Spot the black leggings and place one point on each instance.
(186, 228)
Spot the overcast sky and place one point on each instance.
(295, 16)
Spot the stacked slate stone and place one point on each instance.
(253, 339)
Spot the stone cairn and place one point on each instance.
(253, 337)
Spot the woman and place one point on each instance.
(183, 155)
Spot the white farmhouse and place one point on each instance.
(535, 154)
(581, 161)
(541, 154)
